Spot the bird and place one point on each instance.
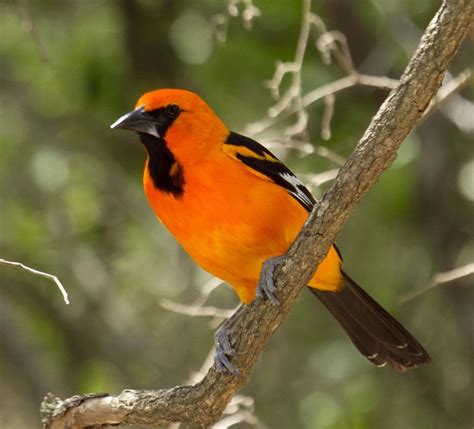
(236, 208)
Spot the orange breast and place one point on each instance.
(230, 221)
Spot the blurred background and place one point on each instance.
(71, 204)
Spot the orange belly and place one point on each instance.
(230, 227)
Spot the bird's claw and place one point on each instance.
(266, 286)
(224, 351)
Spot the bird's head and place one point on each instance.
(177, 118)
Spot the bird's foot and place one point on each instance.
(266, 286)
(225, 351)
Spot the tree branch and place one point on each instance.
(48, 276)
(203, 403)
(440, 279)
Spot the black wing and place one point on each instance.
(262, 161)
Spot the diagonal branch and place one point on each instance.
(203, 403)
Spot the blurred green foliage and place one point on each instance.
(71, 204)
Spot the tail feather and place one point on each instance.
(376, 334)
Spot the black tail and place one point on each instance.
(376, 334)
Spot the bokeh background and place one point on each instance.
(71, 204)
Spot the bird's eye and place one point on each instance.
(172, 111)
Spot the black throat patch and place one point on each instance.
(165, 172)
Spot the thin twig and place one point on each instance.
(328, 113)
(315, 180)
(197, 308)
(292, 96)
(320, 93)
(192, 310)
(248, 13)
(30, 27)
(38, 273)
(329, 44)
(439, 279)
(460, 112)
(329, 154)
(449, 89)
(206, 290)
(220, 21)
(335, 43)
(303, 147)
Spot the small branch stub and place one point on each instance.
(51, 277)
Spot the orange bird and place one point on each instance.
(235, 207)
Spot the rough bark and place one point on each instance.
(202, 404)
